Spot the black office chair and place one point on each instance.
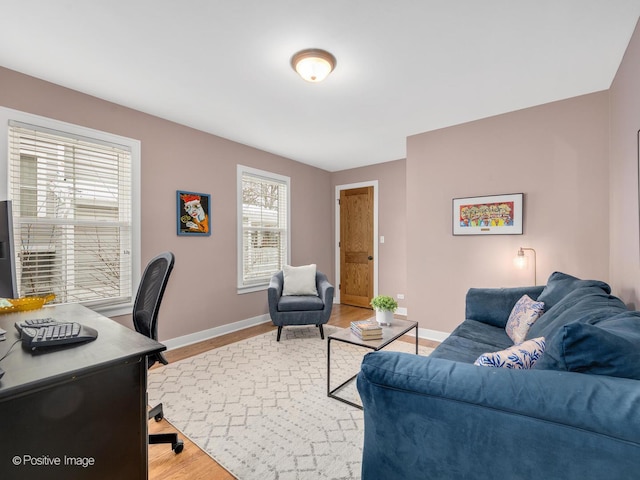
(145, 316)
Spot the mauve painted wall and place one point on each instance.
(623, 183)
(392, 221)
(202, 290)
(556, 154)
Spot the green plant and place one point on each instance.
(384, 302)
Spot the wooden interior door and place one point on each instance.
(356, 246)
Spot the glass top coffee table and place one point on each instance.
(390, 333)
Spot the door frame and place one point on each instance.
(349, 186)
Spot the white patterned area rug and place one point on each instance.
(260, 408)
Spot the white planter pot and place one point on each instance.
(384, 317)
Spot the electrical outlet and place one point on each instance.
(400, 296)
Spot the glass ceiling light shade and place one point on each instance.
(313, 64)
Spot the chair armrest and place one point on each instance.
(493, 305)
(274, 292)
(325, 290)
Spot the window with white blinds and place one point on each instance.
(263, 227)
(72, 208)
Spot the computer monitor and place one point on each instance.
(7, 252)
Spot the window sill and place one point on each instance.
(114, 310)
(253, 288)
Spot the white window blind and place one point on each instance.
(263, 203)
(72, 216)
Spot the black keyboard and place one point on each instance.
(35, 337)
(36, 323)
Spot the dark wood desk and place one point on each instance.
(79, 412)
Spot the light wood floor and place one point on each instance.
(193, 463)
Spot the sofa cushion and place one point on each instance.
(519, 357)
(587, 304)
(610, 347)
(299, 280)
(493, 305)
(560, 284)
(471, 339)
(524, 314)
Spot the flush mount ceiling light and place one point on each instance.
(313, 64)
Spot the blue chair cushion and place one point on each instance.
(297, 303)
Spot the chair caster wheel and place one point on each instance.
(158, 417)
(178, 447)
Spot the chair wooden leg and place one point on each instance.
(279, 332)
(321, 332)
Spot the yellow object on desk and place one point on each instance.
(25, 303)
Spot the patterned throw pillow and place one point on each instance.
(520, 356)
(524, 314)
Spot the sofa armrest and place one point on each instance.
(493, 305)
(457, 420)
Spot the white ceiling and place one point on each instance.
(403, 66)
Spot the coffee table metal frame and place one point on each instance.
(390, 333)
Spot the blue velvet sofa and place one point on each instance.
(574, 415)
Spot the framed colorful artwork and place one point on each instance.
(488, 215)
(193, 213)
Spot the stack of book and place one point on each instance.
(367, 329)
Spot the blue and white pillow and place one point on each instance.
(524, 313)
(522, 356)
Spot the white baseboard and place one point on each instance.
(427, 334)
(196, 337)
(434, 335)
(424, 333)
(202, 335)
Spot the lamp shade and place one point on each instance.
(520, 260)
(313, 64)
